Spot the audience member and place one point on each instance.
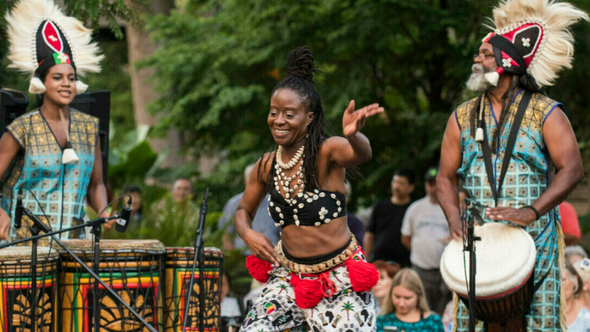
(448, 315)
(262, 222)
(570, 224)
(182, 190)
(364, 214)
(425, 232)
(583, 269)
(574, 254)
(387, 271)
(230, 308)
(136, 203)
(383, 235)
(406, 308)
(355, 225)
(578, 318)
(177, 206)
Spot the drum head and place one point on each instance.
(12, 255)
(83, 246)
(209, 251)
(505, 260)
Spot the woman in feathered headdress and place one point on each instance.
(55, 149)
(505, 146)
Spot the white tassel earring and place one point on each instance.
(36, 86)
(492, 78)
(479, 132)
(69, 155)
(81, 87)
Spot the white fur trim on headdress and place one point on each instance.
(23, 23)
(557, 47)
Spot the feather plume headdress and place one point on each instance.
(532, 36)
(41, 36)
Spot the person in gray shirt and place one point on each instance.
(262, 223)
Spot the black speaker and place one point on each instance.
(97, 104)
(12, 105)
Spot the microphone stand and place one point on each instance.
(37, 227)
(96, 227)
(199, 252)
(470, 247)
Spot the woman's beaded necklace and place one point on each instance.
(283, 180)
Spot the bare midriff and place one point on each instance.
(311, 241)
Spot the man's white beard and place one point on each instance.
(477, 81)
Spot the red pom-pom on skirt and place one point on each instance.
(308, 293)
(258, 268)
(363, 276)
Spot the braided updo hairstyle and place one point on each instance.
(299, 79)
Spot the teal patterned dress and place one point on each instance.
(526, 179)
(60, 189)
(432, 323)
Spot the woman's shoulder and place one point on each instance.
(433, 322)
(23, 124)
(82, 117)
(264, 164)
(433, 317)
(584, 313)
(32, 114)
(387, 318)
(266, 160)
(582, 321)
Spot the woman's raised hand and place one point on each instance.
(353, 121)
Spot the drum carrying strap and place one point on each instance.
(487, 154)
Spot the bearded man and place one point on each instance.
(530, 45)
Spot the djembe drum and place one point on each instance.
(16, 295)
(505, 272)
(179, 263)
(133, 268)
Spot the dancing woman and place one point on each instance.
(316, 277)
(55, 149)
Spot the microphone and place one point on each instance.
(18, 213)
(124, 216)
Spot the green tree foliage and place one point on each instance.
(114, 77)
(220, 59)
(573, 86)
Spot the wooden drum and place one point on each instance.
(16, 295)
(505, 272)
(133, 268)
(179, 263)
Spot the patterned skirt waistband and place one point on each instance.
(331, 262)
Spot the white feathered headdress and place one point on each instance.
(41, 36)
(532, 36)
